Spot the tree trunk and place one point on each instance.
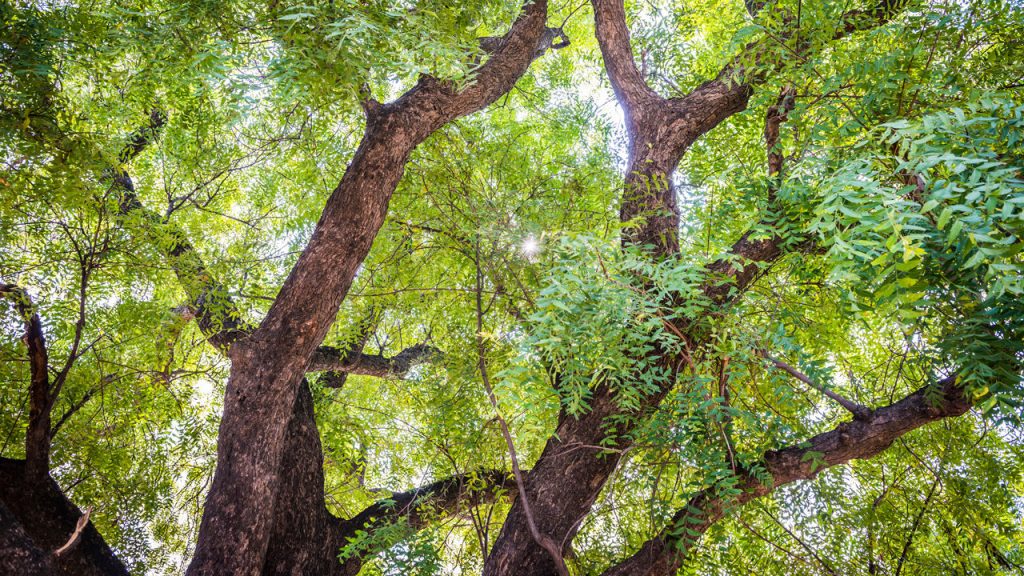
(39, 510)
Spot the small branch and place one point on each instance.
(75, 535)
(75, 408)
(859, 411)
(916, 525)
(802, 544)
(543, 540)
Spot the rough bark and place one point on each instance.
(306, 538)
(18, 553)
(40, 402)
(857, 439)
(38, 509)
(570, 473)
(267, 366)
(329, 359)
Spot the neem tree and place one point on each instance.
(440, 311)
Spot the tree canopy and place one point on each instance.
(423, 287)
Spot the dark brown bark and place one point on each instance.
(38, 509)
(265, 512)
(857, 439)
(40, 401)
(570, 473)
(306, 538)
(267, 367)
(18, 553)
(302, 534)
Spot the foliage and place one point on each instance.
(904, 159)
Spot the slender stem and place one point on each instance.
(542, 539)
(858, 410)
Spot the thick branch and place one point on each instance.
(330, 359)
(268, 366)
(421, 505)
(570, 473)
(37, 437)
(612, 35)
(143, 137)
(218, 315)
(858, 439)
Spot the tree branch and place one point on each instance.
(542, 540)
(565, 480)
(612, 34)
(330, 359)
(858, 439)
(37, 437)
(218, 315)
(75, 534)
(268, 366)
(776, 115)
(419, 506)
(859, 411)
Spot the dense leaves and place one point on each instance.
(899, 212)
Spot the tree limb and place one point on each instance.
(858, 439)
(612, 35)
(330, 359)
(267, 367)
(859, 411)
(542, 539)
(568, 479)
(420, 505)
(218, 315)
(75, 535)
(37, 437)
(417, 508)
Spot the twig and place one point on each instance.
(542, 539)
(859, 411)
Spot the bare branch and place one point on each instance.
(542, 540)
(859, 411)
(330, 359)
(421, 505)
